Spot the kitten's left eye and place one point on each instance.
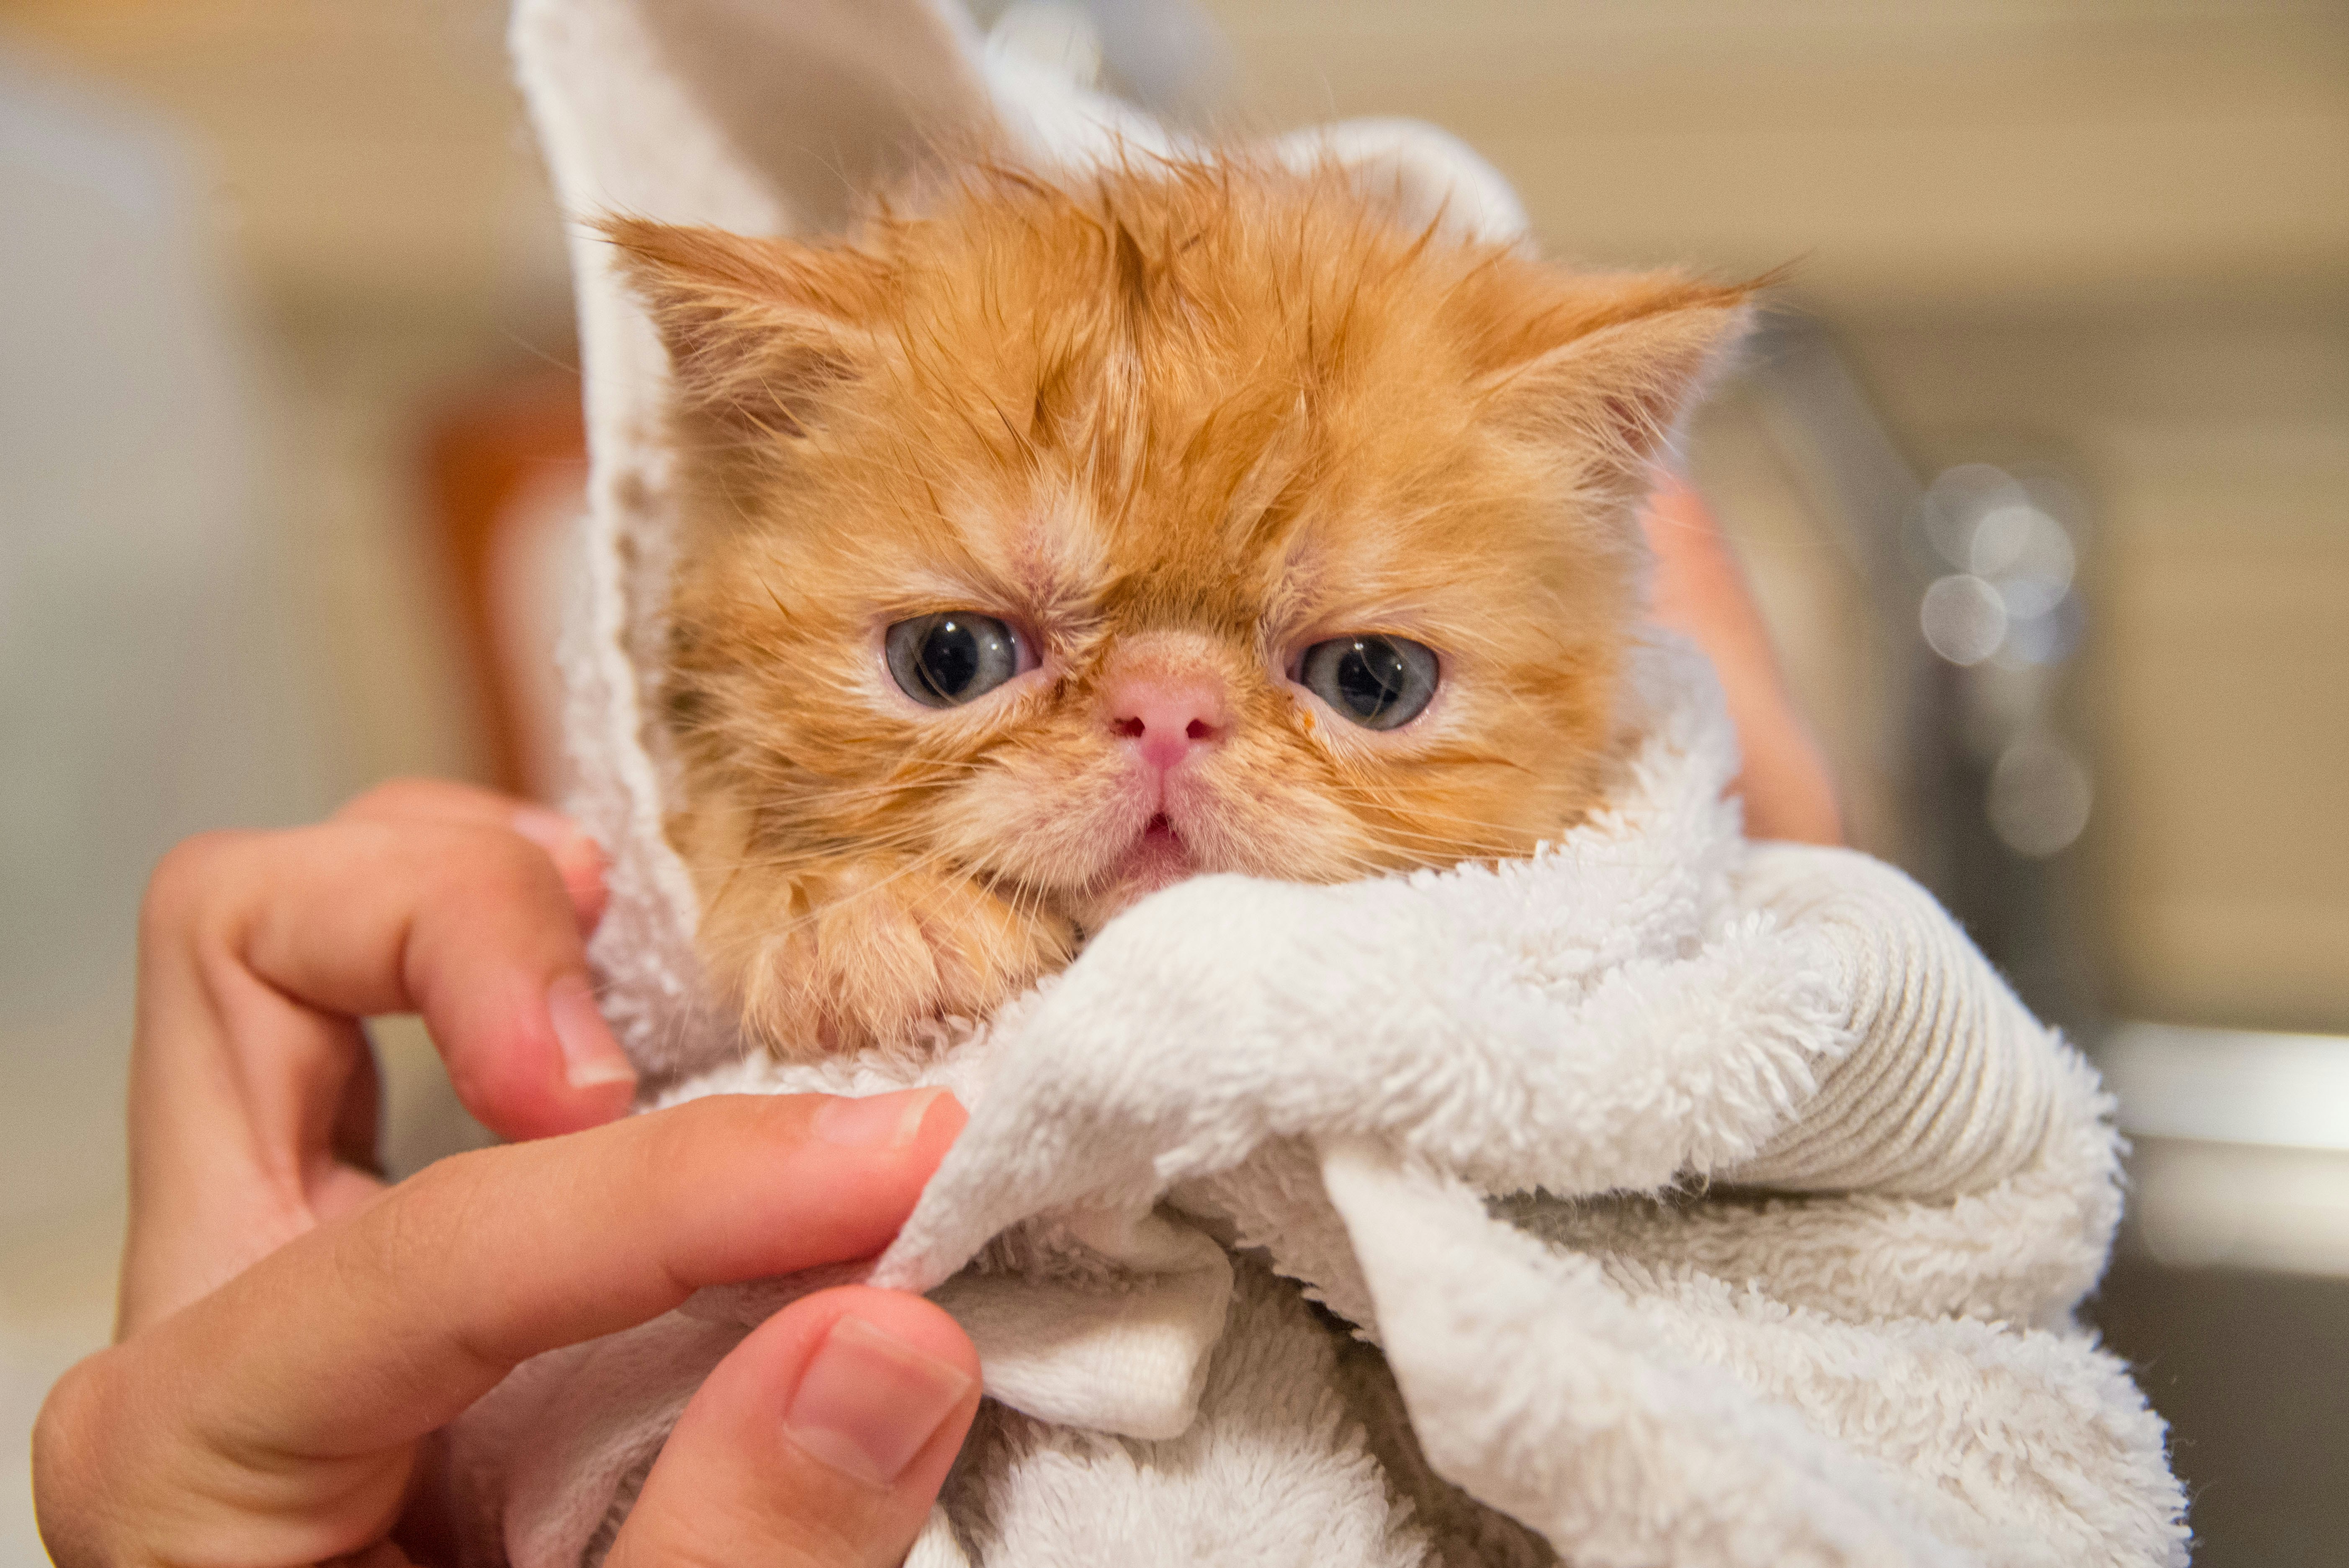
(945, 661)
(1379, 682)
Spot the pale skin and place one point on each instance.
(1700, 591)
(292, 1332)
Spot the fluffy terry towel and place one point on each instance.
(1662, 1199)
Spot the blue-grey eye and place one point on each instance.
(1379, 682)
(947, 660)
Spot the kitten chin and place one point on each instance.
(1060, 543)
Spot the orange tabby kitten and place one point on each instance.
(1060, 543)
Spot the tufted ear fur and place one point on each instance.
(758, 330)
(1607, 375)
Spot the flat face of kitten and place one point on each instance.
(1062, 543)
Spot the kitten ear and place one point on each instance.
(759, 330)
(1612, 393)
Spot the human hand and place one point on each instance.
(292, 1333)
(252, 1094)
(1789, 792)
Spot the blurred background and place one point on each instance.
(2039, 471)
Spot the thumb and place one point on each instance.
(819, 1442)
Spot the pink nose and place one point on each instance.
(1167, 719)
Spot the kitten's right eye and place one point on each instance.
(945, 661)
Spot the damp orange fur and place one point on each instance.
(1173, 423)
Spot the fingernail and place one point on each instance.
(868, 1402)
(590, 1056)
(876, 1121)
(550, 830)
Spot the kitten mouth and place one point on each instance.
(1158, 858)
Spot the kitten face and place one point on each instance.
(1055, 546)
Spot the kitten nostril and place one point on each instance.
(1167, 721)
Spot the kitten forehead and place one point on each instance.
(1375, 554)
(1042, 550)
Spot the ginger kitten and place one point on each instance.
(1063, 542)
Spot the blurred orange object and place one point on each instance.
(506, 470)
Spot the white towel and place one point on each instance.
(1662, 1199)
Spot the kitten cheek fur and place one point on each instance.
(1189, 413)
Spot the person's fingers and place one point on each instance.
(411, 1308)
(274, 1419)
(256, 954)
(819, 1442)
(577, 858)
(467, 926)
